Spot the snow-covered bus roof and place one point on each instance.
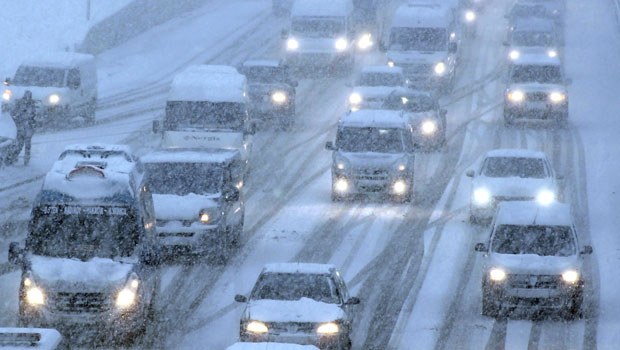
(58, 60)
(423, 14)
(532, 213)
(29, 338)
(213, 83)
(515, 153)
(381, 68)
(297, 267)
(270, 346)
(374, 118)
(184, 155)
(322, 8)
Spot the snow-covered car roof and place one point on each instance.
(214, 83)
(110, 157)
(536, 58)
(402, 91)
(531, 213)
(528, 24)
(184, 155)
(270, 346)
(381, 69)
(374, 118)
(515, 153)
(306, 268)
(58, 60)
(427, 14)
(89, 183)
(29, 338)
(263, 63)
(321, 8)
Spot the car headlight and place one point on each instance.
(292, 44)
(399, 187)
(208, 216)
(570, 276)
(428, 127)
(545, 197)
(6, 95)
(440, 68)
(257, 327)
(516, 96)
(514, 54)
(34, 295)
(341, 44)
(328, 328)
(279, 97)
(470, 16)
(557, 97)
(497, 274)
(402, 167)
(552, 53)
(341, 185)
(390, 63)
(482, 196)
(127, 296)
(355, 98)
(365, 41)
(53, 99)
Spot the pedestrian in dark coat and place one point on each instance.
(24, 114)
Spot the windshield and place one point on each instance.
(184, 178)
(539, 240)
(83, 232)
(294, 286)
(546, 74)
(540, 39)
(380, 79)
(39, 76)
(319, 27)
(265, 75)
(201, 115)
(526, 10)
(410, 103)
(514, 167)
(419, 39)
(380, 140)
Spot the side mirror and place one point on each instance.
(150, 257)
(7, 81)
(329, 145)
(156, 126)
(241, 298)
(352, 301)
(470, 173)
(16, 254)
(480, 247)
(231, 194)
(452, 47)
(284, 34)
(250, 128)
(568, 81)
(587, 250)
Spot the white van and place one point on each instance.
(207, 107)
(63, 84)
(321, 32)
(422, 39)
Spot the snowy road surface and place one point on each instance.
(412, 265)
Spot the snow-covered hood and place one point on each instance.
(61, 274)
(374, 92)
(416, 57)
(39, 93)
(537, 87)
(265, 89)
(187, 207)
(203, 139)
(303, 310)
(372, 160)
(534, 264)
(416, 118)
(319, 45)
(513, 186)
(532, 49)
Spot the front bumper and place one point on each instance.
(192, 240)
(542, 110)
(364, 183)
(322, 342)
(560, 296)
(322, 58)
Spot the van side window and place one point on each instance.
(73, 78)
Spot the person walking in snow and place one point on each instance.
(24, 114)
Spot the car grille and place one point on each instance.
(371, 174)
(508, 199)
(80, 302)
(418, 69)
(537, 96)
(292, 327)
(534, 281)
(258, 97)
(185, 223)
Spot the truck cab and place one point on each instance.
(423, 40)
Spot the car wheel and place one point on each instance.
(575, 312)
(237, 234)
(508, 119)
